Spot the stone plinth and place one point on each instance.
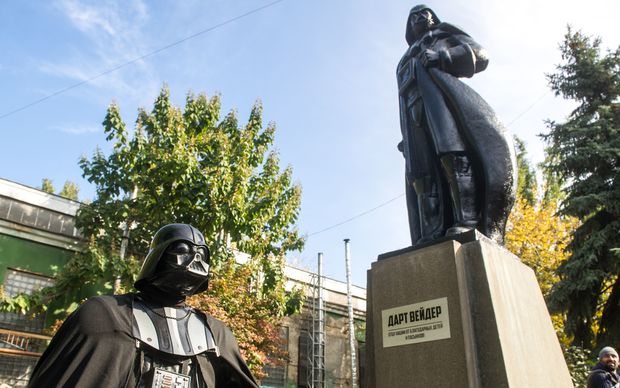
(456, 314)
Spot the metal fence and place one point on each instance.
(19, 352)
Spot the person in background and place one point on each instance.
(603, 374)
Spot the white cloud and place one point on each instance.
(77, 129)
(116, 19)
(115, 34)
(90, 19)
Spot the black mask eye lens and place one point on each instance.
(179, 248)
(201, 254)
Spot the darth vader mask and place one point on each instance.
(421, 19)
(177, 263)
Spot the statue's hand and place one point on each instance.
(429, 58)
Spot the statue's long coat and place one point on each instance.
(452, 109)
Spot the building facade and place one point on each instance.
(321, 358)
(37, 235)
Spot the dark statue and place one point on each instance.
(460, 164)
(150, 338)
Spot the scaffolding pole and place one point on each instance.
(347, 254)
(319, 330)
(316, 331)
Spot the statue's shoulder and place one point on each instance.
(447, 28)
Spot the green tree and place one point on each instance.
(190, 166)
(579, 362)
(70, 190)
(552, 184)
(47, 185)
(585, 155)
(526, 182)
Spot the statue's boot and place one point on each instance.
(460, 176)
(429, 210)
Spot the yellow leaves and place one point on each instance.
(538, 236)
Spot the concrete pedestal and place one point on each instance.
(459, 315)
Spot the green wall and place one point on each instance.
(30, 256)
(43, 259)
(38, 258)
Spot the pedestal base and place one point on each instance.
(459, 315)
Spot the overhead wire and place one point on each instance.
(357, 215)
(542, 96)
(141, 57)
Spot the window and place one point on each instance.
(15, 371)
(16, 282)
(304, 364)
(37, 217)
(361, 364)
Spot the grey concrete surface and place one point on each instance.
(500, 330)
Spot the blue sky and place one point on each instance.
(324, 71)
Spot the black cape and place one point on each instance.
(489, 142)
(95, 348)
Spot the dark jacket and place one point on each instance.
(602, 377)
(95, 348)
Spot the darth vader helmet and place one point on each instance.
(410, 35)
(177, 263)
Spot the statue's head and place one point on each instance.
(421, 19)
(177, 264)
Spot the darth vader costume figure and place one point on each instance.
(460, 165)
(151, 338)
